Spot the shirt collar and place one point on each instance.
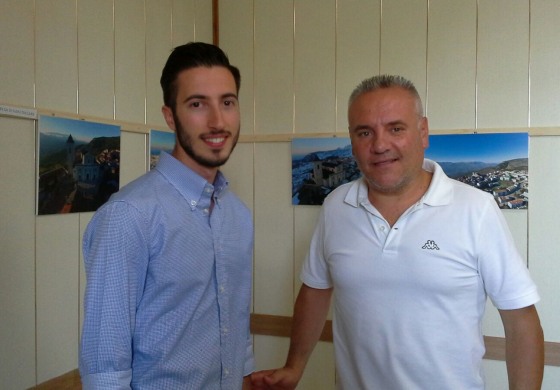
(193, 187)
(439, 192)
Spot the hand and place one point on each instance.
(279, 379)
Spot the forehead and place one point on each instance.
(383, 101)
(206, 81)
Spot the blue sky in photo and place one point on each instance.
(82, 131)
(304, 146)
(491, 148)
(161, 140)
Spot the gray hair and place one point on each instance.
(386, 81)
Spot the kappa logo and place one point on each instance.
(431, 245)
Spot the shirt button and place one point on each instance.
(193, 202)
(382, 228)
(222, 289)
(226, 372)
(205, 211)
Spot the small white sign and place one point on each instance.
(29, 113)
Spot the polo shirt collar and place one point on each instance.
(439, 192)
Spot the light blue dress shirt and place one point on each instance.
(168, 290)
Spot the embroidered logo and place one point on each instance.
(431, 245)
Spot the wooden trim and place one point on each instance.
(69, 381)
(258, 138)
(215, 22)
(280, 326)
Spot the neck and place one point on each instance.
(208, 173)
(392, 205)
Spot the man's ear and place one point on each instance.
(168, 116)
(425, 132)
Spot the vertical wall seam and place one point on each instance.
(294, 67)
(529, 68)
(476, 67)
(427, 56)
(380, 34)
(114, 64)
(76, 11)
(336, 110)
(145, 64)
(35, 358)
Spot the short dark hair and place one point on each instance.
(192, 55)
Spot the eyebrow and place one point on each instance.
(205, 97)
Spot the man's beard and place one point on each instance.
(186, 144)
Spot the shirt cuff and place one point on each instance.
(117, 380)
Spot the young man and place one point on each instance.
(168, 258)
(409, 257)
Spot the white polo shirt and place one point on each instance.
(409, 299)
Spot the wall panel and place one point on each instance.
(274, 67)
(314, 66)
(545, 57)
(203, 26)
(358, 28)
(403, 40)
(134, 156)
(84, 220)
(239, 171)
(57, 273)
(158, 48)
(130, 61)
(273, 292)
(56, 59)
(305, 219)
(451, 94)
(96, 58)
(17, 257)
(182, 22)
(17, 75)
(544, 246)
(503, 63)
(236, 39)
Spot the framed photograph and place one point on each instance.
(497, 163)
(78, 164)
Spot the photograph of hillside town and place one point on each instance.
(78, 167)
(319, 165)
(496, 163)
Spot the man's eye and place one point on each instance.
(229, 103)
(195, 104)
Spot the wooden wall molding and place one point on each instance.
(280, 326)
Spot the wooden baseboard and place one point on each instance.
(280, 326)
(69, 381)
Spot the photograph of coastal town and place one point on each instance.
(78, 164)
(160, 141)
(493, 162)
(497, 163)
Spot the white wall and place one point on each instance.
(486, 65)
(93, 59)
